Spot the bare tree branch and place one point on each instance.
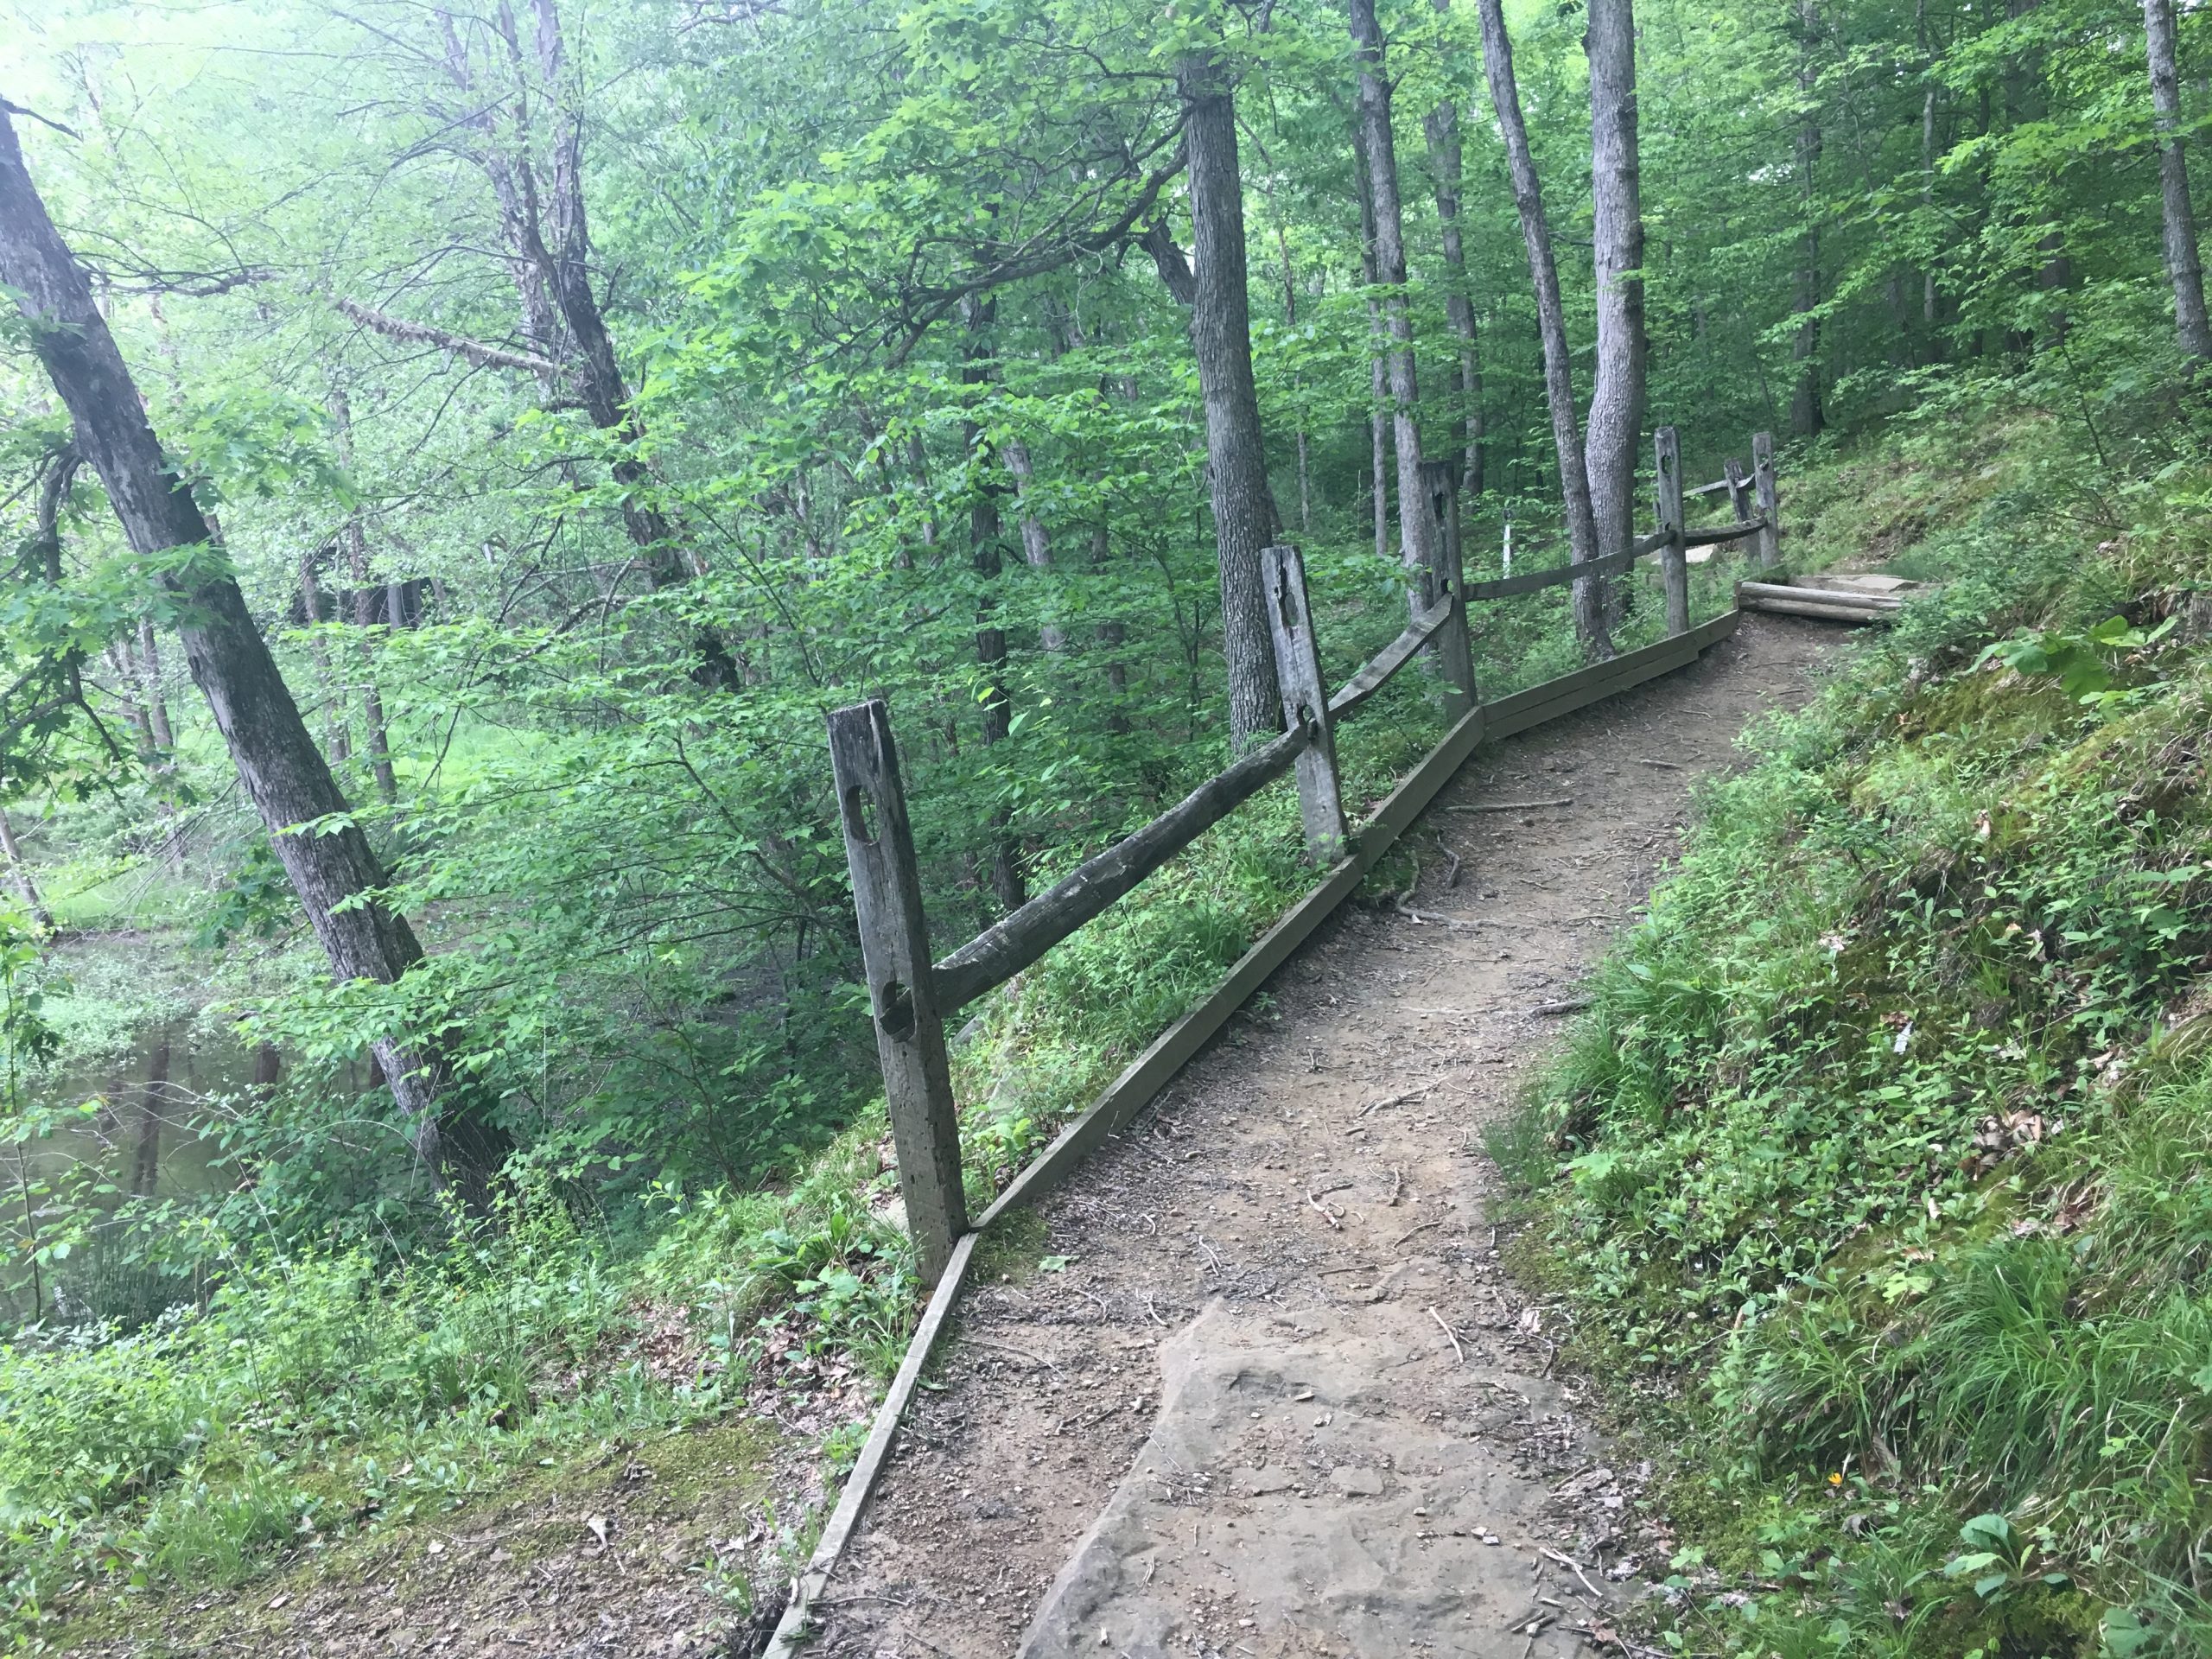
(421, 333)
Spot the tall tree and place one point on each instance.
(367, 596)
(1378, 367)
(986, 552)
(1806, 417)
(2185, 268)
(1551, 321)
(1418, 532)
(1244, 516)
(1615, 428)
(1446, 159)
(332, 869)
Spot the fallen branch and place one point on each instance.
(1452, 1335)
(1399, 1098)
(1573, 1566)
(1510, 806)
(1565, 1005)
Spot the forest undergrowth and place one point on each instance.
(1874, 1174)
(311, 1396)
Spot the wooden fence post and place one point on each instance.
(1740, 489)
(1454, 654)
(1769, 499)
(1304, 701)
(902, 994)
(1674, 560)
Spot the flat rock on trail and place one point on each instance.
(1282, 1399)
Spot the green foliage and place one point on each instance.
(1875, 1137)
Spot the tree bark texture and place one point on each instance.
(1378, 390)
(1551, 318)
(283, 773)
(1806, 417)
(1613, 436)
(1244, 517)
(986, 533)
(19, 873)
(1417, 533)
(2184, 267)
(1448, 162)
(366, 595)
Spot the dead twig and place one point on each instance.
(1451, 876)
(1664, 766)
(1423, 1228)
(1451, 1334)
(1399, 1098)
(1397, 1185)
(1325, 1212)
(1573, 1566)
(1565, 1005)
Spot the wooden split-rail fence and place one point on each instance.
(911, 995)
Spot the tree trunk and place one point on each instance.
(1244, 517)
(1805, 415)
(549, 239)
(366, 595)
(1447, 161)
(1417, 528)
(1378, 390)
(1614, 435)
(2183, 266)
(1304, 446)
(334, 872)
(1036, 545)
(337, 732)
(1551, 321)
(19, 873)
(1112, 636)
(985, 534)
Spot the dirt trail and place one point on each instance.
(1281, 1399)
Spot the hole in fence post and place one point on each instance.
(860, 815)
(1282, 599)
(895, 1009)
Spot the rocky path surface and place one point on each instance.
(1281, 1399)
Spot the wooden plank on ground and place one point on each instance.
(791, 1629)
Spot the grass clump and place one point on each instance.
(1874, 1163)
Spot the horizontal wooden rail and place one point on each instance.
(1559, 575)
(1001, 952)
(1714, 535)
(1392, 657)
(1713, 488)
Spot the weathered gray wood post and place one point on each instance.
(1674, 558)
(1769, 499)
(1453, 653)
(895, 949)
(1304, 701)
(1740, 489)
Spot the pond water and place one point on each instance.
(160, 1105)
